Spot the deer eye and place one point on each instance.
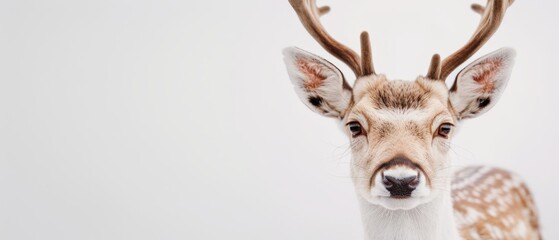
(355, 129)
(444, 130)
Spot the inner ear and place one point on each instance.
(313, 71)
(478, 86)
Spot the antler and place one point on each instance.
(309, 15)
(492, 16)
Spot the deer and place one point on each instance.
(400, 133)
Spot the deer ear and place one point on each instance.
(478, 86)
(318, 83)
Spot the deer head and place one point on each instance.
(399, 130)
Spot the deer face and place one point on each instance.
(400, 131)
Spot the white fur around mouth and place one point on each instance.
(400, 203)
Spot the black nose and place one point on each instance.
(400, 187)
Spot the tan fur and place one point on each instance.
(391, 137)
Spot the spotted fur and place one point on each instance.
(492, 203)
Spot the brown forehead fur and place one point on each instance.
(399, 95)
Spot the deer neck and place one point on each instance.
(433, 220)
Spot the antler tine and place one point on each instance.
(492, 16)
(434, 68)
(481, 9)
(323, 10)
(366, 55)
(478, 8)
(309, 14)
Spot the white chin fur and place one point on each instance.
(400, 204)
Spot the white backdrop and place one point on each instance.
(160, 119)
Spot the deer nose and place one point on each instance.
(400, 187)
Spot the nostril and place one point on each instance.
(414, 182)
(388, 181)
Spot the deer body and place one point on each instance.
(491, 203)
(485, 203)
(400, 133)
